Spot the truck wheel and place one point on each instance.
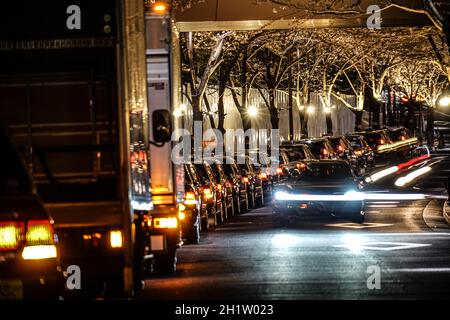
(166, 263)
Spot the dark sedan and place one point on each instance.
(320, 148)
(29, 257)
(326, 187)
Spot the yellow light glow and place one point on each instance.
(252, 111)
(181, 207)
(9, 237)
(207, 193)
(395, 145)
(412, 176)
(165, 223)
(39, 252)
(39, 232)
(159, 8)
(181, 215)
(310, 110)
(116, 239)
(444, 102)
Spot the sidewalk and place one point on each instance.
(446, 212)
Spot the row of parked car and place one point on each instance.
(217, 190)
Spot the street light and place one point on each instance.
(311, 110)
(444, 101)
(327, 110)
(252, 111)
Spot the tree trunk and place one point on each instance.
(274, 118)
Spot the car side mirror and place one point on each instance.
(162, 126)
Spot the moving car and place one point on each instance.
(29, 251)
(326, 187)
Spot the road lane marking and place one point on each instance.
(382, 246)
(351, 225)
(443, 270)
(382, 206)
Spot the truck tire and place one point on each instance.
(166, 263)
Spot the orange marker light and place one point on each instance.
(159, 8)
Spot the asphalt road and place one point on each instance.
(250, 257)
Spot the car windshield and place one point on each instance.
(335, 142)
(316, 147)
(216, 171)
(356, 141)
(14, 178)
(325, 172)
(296, 154)
(374, 139)
(396, 135)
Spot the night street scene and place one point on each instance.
(205, 151)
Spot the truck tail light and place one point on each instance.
(40, 241)
(165, 223)
(325, 152)
(115, 239)
(11, 234)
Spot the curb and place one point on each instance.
(436, 215)
(446, 211)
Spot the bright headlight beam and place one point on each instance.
(382, 174)
(400, 182)
(349, 196)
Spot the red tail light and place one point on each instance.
(263, 176)
(246, 180)
(341, 149)
(325, 152)
(11, 234)
(382, 141)
(39, 232)
(279, 170)
(402, 138)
